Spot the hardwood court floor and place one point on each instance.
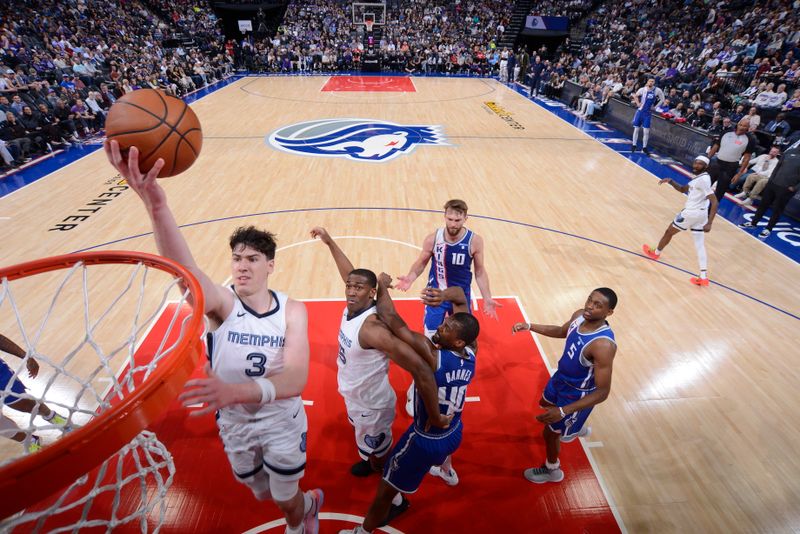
(698, 433)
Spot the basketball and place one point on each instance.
(160, 126)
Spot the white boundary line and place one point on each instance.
(586, 447)
(357, 519)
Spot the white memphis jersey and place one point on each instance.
(248, 345)
(699, 189)
(363, 373)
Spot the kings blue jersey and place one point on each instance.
(451, 264)
(573, 368)
(452, 375)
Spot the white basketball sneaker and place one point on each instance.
(311, 518)
(450, 477)
(541, 475)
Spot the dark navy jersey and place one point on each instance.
(453, 375)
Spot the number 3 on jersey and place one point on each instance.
(258, 361)
(455, 402)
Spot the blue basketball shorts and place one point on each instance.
(435, 315)
(9, 384)
(559, 393)
(414, 455)
(642, 118)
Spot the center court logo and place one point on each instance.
(355, 139)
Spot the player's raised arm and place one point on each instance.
(404, 281)
(342, 262)
(432, 296)
(290, 382)
(169, 240)
(547, 330)
(378, 336)
(388, 314)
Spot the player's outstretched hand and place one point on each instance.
(385, 280)
(145, 185)
(551, 415)
(321, 233)
(403, 283)
(519, 327)
(33, 367)
(440, 421)
(431, 296)
(211, 391)
(490, 308)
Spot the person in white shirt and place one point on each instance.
(757, 179)
(365, 347)
(764, 98)
(695, 216)
(259, 355)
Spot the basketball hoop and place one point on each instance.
(369, 24)
(125, 388)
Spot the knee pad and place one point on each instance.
(282, 490)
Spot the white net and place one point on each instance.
(142, 471)
(96, 332)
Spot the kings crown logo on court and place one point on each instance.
(354, 139)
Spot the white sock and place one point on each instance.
(307, 502)
(658, 252)
(447, 465)
(299, 529)
(398, 499)
(552, 466)
(645, 137)
(700, 247)
(703, 274)
(635, 135)
(50, 417)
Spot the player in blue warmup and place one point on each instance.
(645, 99)
(11, 395)
(451, 354)
(583, 378)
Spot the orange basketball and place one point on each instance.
(160, 126)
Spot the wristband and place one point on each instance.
(268, 392)
(561, 411)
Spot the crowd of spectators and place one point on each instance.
(430, 36)
(716, 63)
(63, 63)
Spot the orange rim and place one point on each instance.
(33, 477)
